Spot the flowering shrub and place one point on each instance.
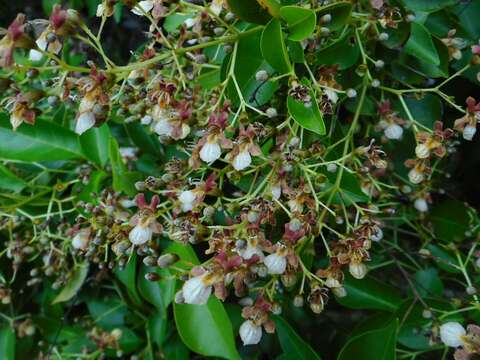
(259, 179)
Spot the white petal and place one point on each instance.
(276, 191)
(451, 333)
(146, 6)
(415, 177)
(42, 42)
(187, 197)
(210, 152)
(80, 240)
(84, 122)
(216, 6)
(195, 291)
(421, 205)
(140, 235)
(35, 55)
(163, 127)
(393, 132)
(250, 333)
(469, 132)
(242, 161)
(331, 95)
(422, 151)
(190, 22)
(100, 10)
(357, 270)
(275, 264)
(250, 251)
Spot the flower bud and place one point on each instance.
(250, 333)
(451, 333)
(187, 198)
(140, 234)
(339, 291)
(421, 205)
(152, 276)
(150, 261)
(166, 260)
(332, 167)
(415, 177)
(383, 36)
(271, 112)
(80, 240)
(261, 75)
(325, 19)
(298, 301)
(351, 93)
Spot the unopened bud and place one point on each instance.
(166, 260)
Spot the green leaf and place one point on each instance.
(123, 180)
(271, 6)
(159, 293)
(340, 12)
(428, 283)
(450, 220)
(344, 53)
(10, 181)
(293, 346)
(128, 277)
(249, 10)
(309, 118)
(301, 21)
(216, 336)
(248, 62)
(7, 343)
(468, 18)
(209, 79)
(427, 5)
(369, 293)
(45, 141)
(273, 47)
(420, 45)
(141, 138)
(425, 110)
(107, 312)
(444, 260)
(95, 144)
(174, 21)
(374, 344)
(47, 6)
(75, 282)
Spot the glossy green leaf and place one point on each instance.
(450, 220)
(344, 53)
(369, 293)
(7, 343)
(128, 277)
(159, 293)
(74, 283)
(271, 6)
(427, 5)
(425, 110)
(443, 259)
(273, 47)
(45, 141)
(293, 346)
(174, 21)
(107, 312)
(428, 283)
(94, 144)
(373, 344)
(420, 45)
(249, 10)
(123, 180)
(340, 13)
(309, 118)
(141, 138)
(301, 21)
(248, 62)
(10, 181)
(216, 336)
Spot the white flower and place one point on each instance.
(143, 7)
(331, 95)
(80, 240)
(42, 42)
(35, 55)
(422, 151)
(469, 132)
(295, 206)
(86, 105)
(249, 251)
(210, 152)
(250, 333)
(196, 290)
(421, 205)
(163, 127)
(393, 132)
(276, 191)
(100, 10)
(187, 198)
(339, 291)
(190, 22)
(242, 160)
(377, 234)
(451, 333)
(84, 122)
(140, 234)
(276, 264)
(357, 269)
(415, 177)
(216, 6)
